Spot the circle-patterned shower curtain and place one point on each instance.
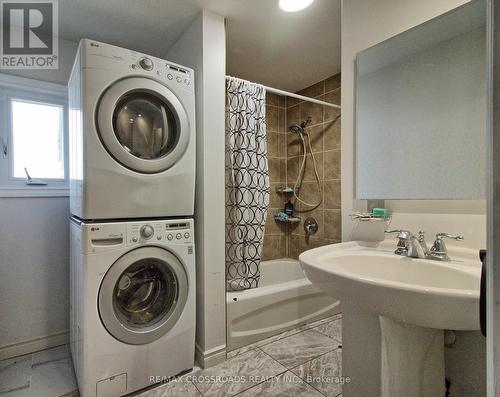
(247, 182)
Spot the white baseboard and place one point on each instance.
(34, 345)
(211, 357)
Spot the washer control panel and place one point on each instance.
(109, 57)
(167, 232)
(163, 69)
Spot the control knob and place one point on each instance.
(147, 231)
(146, 63)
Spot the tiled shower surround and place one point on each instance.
(284, 156)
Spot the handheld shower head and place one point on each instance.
(296, 129)
(299, 128)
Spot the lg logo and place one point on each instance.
(29, 34)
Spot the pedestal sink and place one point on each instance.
(395, 310)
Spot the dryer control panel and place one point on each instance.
(167, 232)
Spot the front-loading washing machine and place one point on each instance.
(132, 135)
(132, 303)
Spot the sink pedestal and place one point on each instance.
(387, 358)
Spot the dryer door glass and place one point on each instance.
(145, 292)
(143, 295)
(145, 125)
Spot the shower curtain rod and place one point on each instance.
(291, 94)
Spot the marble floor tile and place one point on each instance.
(237, 374)
(241, 350)
(181, 387)
(282, 335)
(15, 374)
(333, 329)
(284, 385)
(53, 378)
(48, 373)
(299, 348)
(323, 372)
(270, 339)
(324, 320)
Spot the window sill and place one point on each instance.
(34, 192)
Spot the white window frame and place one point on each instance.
(12, 87)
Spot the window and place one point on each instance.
(33, 138)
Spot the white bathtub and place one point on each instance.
(284, 300)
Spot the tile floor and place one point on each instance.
(305, 361)
(48, 373)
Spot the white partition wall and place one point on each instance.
(202, 47)
(493, 272)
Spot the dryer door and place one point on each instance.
(143, 125)
(143, 295)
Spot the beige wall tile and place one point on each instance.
(282, 145)
(274, 169)
(272, 118)
(293, 115)
(282, 127)
(332, 194)
(294, 147)
(274, 247)
(272, 144)
(275, 199)
(332, 83)
(333, 96)
(331, 114)
(312, 110)
(292, 169)
(331, 163)
(309, 173)
(308, 192)
(316, 136)
(331, 136)
(283, 170)
(333, 225)
(313, 91)
(275, 100)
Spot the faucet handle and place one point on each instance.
(439, 250)
(402, 233)
(457, 237)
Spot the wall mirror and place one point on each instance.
(421, 102)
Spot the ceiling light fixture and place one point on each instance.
(294, 5)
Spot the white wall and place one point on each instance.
(364, 24)
(202, 47)
(67, 52)
(34, 254)
(34, 278)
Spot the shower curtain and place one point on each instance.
(247, 182)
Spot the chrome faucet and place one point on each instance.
(408, 244)
(438, 250)
(416, 247)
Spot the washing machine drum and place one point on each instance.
(143, 295)
(143, 125)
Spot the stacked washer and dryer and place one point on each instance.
(132, 170)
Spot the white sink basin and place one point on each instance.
(427, 293)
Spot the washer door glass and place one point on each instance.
(143, 295)
(145, 292)
(143, 125)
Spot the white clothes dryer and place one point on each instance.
(132, 135)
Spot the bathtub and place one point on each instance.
(284, 300)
